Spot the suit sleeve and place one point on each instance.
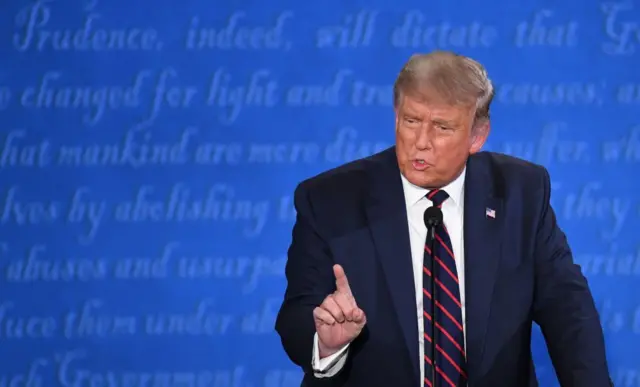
(564, 307)
(309, 274)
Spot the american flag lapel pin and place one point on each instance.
(491, 213)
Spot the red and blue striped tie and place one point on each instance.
(450, 359)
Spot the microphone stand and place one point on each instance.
(434, 331)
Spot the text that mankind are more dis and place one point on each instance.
(556, 144)
(140, 148)
(34, 30)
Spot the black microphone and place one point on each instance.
(433, 219)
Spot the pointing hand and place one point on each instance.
(338, 319)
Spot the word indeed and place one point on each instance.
(234, 36)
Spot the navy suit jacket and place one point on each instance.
(518, 270)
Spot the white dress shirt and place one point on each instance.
(416, 203)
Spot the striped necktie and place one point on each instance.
(450, 359)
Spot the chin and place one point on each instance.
(419, 178)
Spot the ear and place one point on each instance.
(479, 135)
(396, 119)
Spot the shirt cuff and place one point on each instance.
(330, 365)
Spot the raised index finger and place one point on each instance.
(342, 284)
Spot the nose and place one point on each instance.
(423, 141)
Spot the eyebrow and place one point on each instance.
(444, 121)
(413, 113)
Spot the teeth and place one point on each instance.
(421, 161)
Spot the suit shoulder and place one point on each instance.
(336, 176)
(347, 178)
(515, 169)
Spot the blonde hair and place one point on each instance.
(452, 78)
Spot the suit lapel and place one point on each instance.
(482, 246)
(387, 219)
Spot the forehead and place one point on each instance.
(434, 107)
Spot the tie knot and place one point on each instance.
(437, 196)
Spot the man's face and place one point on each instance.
(434, 140)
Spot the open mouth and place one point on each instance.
(420, 164)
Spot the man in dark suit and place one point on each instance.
(373, 301)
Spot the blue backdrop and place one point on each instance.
(149, 151)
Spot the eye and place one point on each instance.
(411, 120)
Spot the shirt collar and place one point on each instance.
(413, 193)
